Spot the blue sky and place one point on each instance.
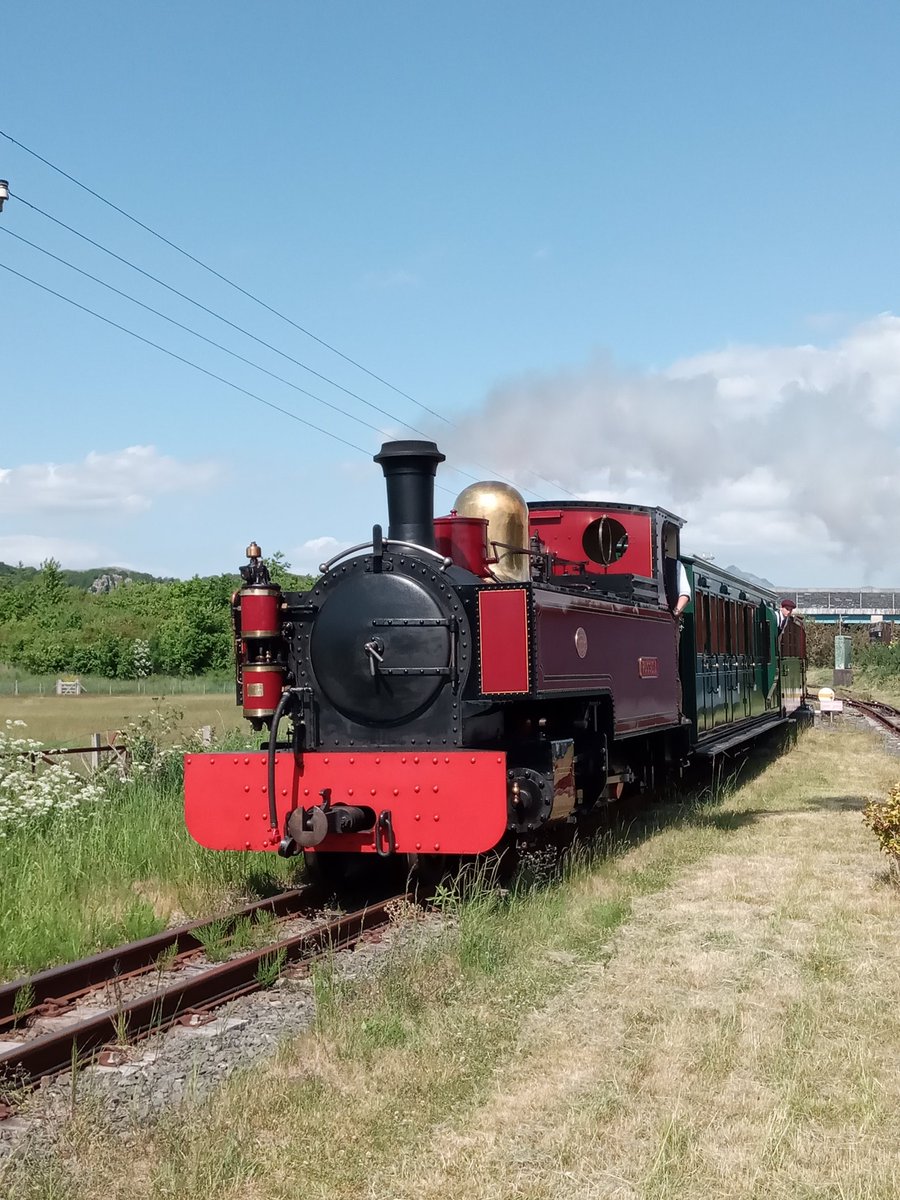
(600, 238)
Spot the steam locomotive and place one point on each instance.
(483, 676)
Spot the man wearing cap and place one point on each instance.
(787, 611)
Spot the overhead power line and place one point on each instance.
(257, 300)
(212, 313)
(187, 361)
(195, 333)
(239, 329)
(224, 278)
(210, 341)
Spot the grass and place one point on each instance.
(123, 869)
(703, 1008)
(119, 872)
(70, 720)
(16, 680)
(866, 685)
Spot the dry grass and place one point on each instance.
(711, 1014)
(70, 720)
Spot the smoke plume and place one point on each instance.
(783, 459)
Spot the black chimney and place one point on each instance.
(409, 469)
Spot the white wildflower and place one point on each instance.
(33, 786)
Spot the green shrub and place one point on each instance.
(883, 818)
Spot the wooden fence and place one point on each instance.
(90, 755)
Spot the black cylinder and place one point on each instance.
(409, 469)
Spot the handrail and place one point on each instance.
(388, 544)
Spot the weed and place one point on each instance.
(120, 1027)
(263, 927)
(72, 890)
(327, 992)
(214, 939)
(74, 1073)
(268, 972)
(883, 818)
(22, 1001)
(242, 935)
(166, 959)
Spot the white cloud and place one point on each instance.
(32, 549)
(305, 559)
(767, 451)
(124, 481)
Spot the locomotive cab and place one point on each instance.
(621, 548)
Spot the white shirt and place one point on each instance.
(684, 587)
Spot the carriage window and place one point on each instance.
(701, 617)
(717, 615)
(713, 634)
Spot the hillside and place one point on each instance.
(12, 576)
(86, 622)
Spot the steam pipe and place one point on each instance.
(280, 709)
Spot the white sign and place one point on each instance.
(831, 706)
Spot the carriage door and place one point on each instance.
(702, 627)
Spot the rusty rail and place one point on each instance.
(883, 714)
(70, 981)
(25, 1064)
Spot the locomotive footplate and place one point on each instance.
(425, 802)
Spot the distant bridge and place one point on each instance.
(845, 604)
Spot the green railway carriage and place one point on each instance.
(739, 675)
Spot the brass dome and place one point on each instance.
(507, 534)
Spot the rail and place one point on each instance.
(882, 714)
(54, 992)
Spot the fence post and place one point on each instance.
(206, 735)
(95, 753)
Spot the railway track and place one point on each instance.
(883, 714)
(64, 996)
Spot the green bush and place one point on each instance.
(883, 818)
(48, 626)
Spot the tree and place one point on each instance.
(50, 599)
(281, 573)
